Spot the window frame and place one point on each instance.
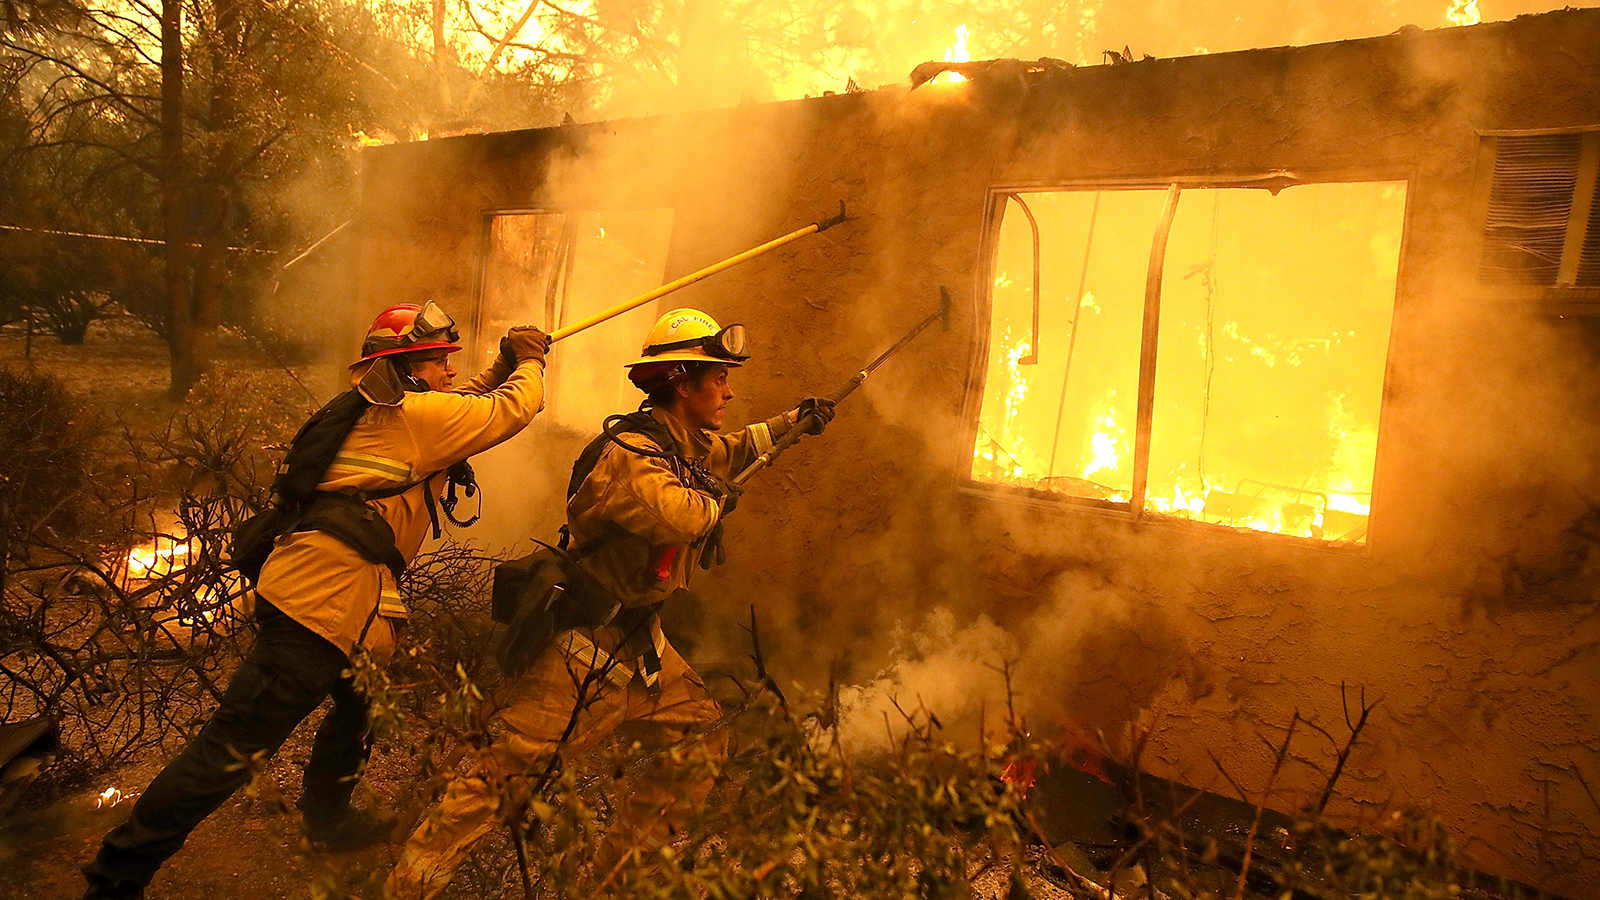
(1149, 351)
(476, 342)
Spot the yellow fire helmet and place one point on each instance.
(689, 335)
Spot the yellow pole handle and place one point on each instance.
(685, 281)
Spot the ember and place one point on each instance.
(110, 797)
(1020, 774)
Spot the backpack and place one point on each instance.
(297, 505)
(546, 592)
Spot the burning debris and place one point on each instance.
(110, 797)
(161, 557)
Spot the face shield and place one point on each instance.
(433, 324)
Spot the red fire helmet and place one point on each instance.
(407, 328)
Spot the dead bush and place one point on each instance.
(122, 627)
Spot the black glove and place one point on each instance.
(729, 493)
(820, 409)
(711, 552)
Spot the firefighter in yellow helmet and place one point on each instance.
(328, 581)
(645, 499)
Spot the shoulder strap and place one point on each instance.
(639, 422)
(314, 447)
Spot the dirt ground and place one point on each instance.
(248, 849)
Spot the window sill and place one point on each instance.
(1064, 504)
(1541, 300)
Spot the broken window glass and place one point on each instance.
(551, 269)
(1271, 338)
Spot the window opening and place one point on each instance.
(1219, 359)
(553, 268)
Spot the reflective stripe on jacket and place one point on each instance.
(324, 584)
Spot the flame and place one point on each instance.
(957, 52)
(1107, 444)
(1333, 506)
(111, 797)
(999, 459)
(1462, 12)
(167, 556)
(1020, 774)
(155, 561)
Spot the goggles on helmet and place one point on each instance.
(432, 324)
(726, 344)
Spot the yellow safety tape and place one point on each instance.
(762, 435)
(578, 647)
(389, 469)
(390, 604)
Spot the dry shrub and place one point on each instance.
(127, 654)
(797, 814)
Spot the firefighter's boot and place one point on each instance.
(349, 830)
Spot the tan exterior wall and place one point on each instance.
(1473, 612)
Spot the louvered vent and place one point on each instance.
(1535, 177)
(1589, 262)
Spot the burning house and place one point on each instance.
(1268, 372)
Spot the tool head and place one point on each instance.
(944, 307)
(829, 222)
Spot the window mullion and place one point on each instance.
(1578, 219)
(1147, 351)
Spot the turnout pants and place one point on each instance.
(536, 714)
(288, 673)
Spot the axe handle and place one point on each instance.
(799, 428)
(691, 278)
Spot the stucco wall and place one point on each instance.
(1472, 614)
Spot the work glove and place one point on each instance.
(712, 551)
(729, 493)
(524, 343)
(820, 409)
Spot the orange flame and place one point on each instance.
(157, 561)
(110, 797)
(957, 52)
(1463, 12)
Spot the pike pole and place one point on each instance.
(942, 314)
(685, 281)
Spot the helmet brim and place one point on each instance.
(413, 348)
(684, 356)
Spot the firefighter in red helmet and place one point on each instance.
(374, 461)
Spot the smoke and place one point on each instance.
(953, 673)
(1092, 656)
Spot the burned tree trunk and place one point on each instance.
(174, 204)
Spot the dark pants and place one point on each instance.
(290, 671)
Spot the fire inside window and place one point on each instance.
(553, 268)
(1212, 353)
